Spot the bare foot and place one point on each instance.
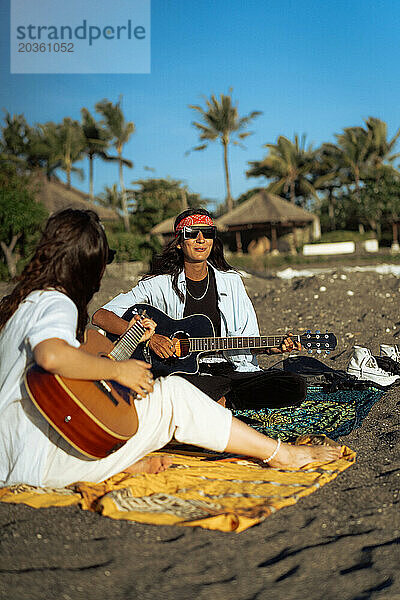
(150, 464)
(295, 457)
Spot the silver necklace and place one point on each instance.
(203, 295)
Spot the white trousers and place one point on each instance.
(175, 408)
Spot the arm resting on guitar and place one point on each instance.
(58, 357)
(109, 321)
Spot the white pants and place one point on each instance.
(175, 408)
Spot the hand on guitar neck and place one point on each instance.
(148, 324)
(289, 344)
(164, 347)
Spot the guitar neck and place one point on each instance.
(237, 343)
(127, 343)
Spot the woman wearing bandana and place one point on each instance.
(191, 276)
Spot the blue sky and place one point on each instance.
(311, 66)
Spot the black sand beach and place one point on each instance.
(342, 542)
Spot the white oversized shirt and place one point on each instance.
(238, 317)
(23, 431)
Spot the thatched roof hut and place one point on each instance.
(55, 195)
(263, 216)
(266, 214)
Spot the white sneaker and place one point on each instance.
(364, 366)
(392, 352)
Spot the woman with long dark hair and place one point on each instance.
(171, 261)
(43, 320)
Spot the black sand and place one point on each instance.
(340, 542)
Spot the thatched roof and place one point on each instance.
(264, 207)
(165, 227)
(55, 195)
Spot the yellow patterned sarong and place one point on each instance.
(225, 494)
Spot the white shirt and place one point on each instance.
(23, 431)
(238, 317)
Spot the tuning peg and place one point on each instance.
(309, 351)
(327, 351)
(318, 331)
(319, 351)
(308, 331)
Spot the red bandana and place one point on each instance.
(193, 220)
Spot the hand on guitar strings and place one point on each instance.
(162, 346)
(135, 374)
(147, 323)
(287, 345)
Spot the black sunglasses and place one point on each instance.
(191, 233)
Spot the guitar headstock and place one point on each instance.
(321, 342)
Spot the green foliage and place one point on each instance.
(376, 205)
(266, 263)
(20, 215)
(159, 199)
(110, 197)
(220, 120)
(96, 137)
(289, 165)
(66, 144)
(350, 184)
(343, 236)
(248, 194)
(380, 201)
(118, 131)
(132, 246)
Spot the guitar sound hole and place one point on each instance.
(184, 343)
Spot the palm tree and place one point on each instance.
(65, 146)
(110, 197)
(289, 165)
(354, 157)
(120, 131)
(352, 154)
(381, 149)
(96, 140)
(14, 139)
(221, 121)
(326, 177)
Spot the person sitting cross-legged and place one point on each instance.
(191, 276)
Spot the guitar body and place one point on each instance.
(94, 417)
(194, 326)
(194, 335)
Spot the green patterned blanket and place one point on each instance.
(333, 414)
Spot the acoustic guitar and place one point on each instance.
(95, 417)
(193, 336)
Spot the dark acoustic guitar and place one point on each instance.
(95, 417)
(193, 336)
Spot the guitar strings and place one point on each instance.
(125, 347)
(237, 343)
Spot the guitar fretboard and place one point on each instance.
(127, 344)
(237, 343)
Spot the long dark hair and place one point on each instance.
(70, 257)
(170, 261)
